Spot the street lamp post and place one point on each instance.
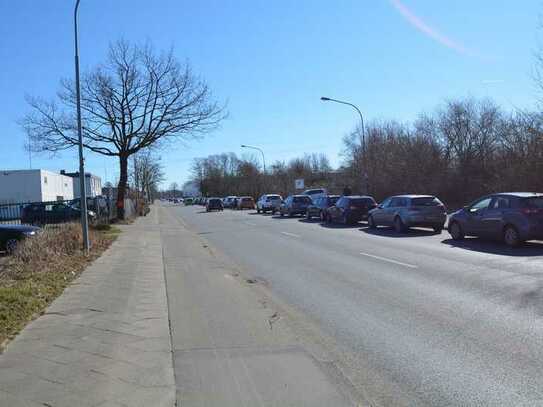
(83, 197)
(326, 99)
(261, 152)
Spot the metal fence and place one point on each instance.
(101, 210)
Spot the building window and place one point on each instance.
(45, 180)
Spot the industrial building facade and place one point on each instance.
(34, 186)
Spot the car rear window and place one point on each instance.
(534, 203)
(247, 199)
(361, 202)
(273, 198)
(426, 201)
(302, 199)
(334, 199)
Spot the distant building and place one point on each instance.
(191, 189)
(93, 184)
(34, 186)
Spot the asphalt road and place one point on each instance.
(414, 319)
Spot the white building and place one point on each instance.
(17, 186)
(191, 189)
(93, 184)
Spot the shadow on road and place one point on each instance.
(339, 225)
(390, 232)
(528, 249)
(277, 216)
(312, 220)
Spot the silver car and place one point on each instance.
(268, 202)
(405, 211)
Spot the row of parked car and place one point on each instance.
(510, 217)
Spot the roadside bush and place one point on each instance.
(39, 270)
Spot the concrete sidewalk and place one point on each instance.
(160, 319)
(105, 341)
(233, 345)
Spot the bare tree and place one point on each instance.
(138, 99)
(146, 174)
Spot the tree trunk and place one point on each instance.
(121, 188)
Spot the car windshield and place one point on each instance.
(426, 201)
(301, 199)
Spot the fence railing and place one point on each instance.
(101, 210)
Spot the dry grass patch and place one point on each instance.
(39, 271)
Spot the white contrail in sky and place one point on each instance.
(423, 27)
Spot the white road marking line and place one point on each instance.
(290, 234)
(251, 224)
(412, 266)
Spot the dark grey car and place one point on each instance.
(512, 217)
(405, 211)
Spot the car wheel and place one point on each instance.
(290, 214)
(11, 245)
(307, 215)
(511, 236)
(399, 225)
(438, 229)
(456, 231)
(329, 219)
(344, 220)
(371, 223)
(258, 211)
(321, 216)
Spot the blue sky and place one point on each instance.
(272, 60)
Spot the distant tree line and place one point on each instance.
(464, 149)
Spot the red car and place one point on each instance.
(246, 202)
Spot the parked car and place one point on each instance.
(315, 193)
(511, 217)
(350, 209)
(230, 202)
(11, 235)
(405, 211)
(320, 206)
(245, 202)
(188, 201)
(50, 213)
(214, 204)
(295, 205)
(268, 202)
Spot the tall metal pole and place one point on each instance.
(326, 99)
(83, 198)
(261, 152)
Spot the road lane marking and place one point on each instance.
(251, 224)
(290, 234)
(399, 263)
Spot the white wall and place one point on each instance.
(20, 186)
(56, 186)
(93, 186)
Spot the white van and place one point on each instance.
(315, 193)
